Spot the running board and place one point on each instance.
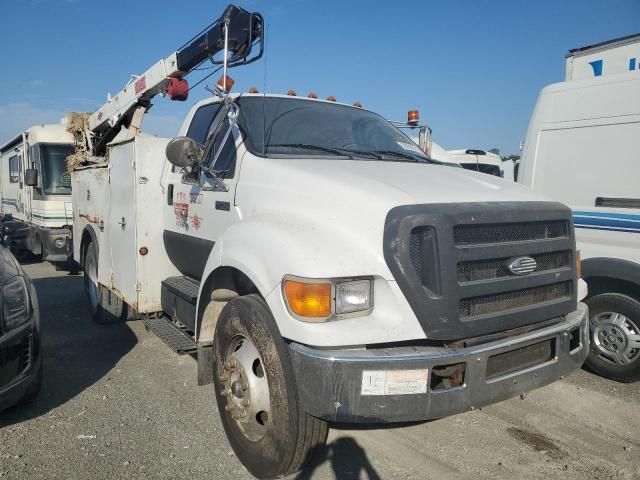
(169, 333)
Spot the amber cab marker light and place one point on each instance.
(254, 90)
(331, 98)
(579, 264)
(312, 95)
(311, 300)
(292, 93)
(413, 117)
(357, 105)
(230, 82)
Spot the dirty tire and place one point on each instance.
(630, 308)
(105, 306)
(291, 437)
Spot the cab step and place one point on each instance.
(179, 341)
(179, 296)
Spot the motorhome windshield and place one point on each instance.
(52, 160)
(289, 127)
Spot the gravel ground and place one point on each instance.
(117, 403)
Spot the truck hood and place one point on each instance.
(362, 184)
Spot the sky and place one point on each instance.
(473, 68)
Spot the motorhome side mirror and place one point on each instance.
(31, 177)
(183, 152)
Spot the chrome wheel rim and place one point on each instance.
(616, 338)
(91, 271)
(246, 389)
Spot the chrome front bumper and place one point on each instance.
(336, 384)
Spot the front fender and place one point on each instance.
(267, 248)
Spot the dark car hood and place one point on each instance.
(8, 265)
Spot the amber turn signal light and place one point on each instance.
(308, 299)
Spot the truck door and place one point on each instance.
(204, 206)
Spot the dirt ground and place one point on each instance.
(117, 403)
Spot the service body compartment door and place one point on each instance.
(122, 220)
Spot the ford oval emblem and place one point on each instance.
(522, 265)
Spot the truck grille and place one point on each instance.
(470, 307)
(499, 268)
(510, 232)
(452, 263)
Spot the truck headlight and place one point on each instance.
(15, 303)
(353, 297)
(322, 300)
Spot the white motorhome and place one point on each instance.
(583, 149)
(36, 191)
(478, 161)
(318, 263)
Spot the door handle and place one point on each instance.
(123, 223)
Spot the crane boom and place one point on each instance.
(244, 30)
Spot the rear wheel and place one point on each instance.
(256, 392)
(105, 306)
(614, 321)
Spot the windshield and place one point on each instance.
(291, 127)
(56, 180)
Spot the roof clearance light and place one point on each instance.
(254, 90)
(312, 95)
(331, 98)
(413, 117)
(292, 93)
(357, 104)
(229, 85)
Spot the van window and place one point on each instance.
(14, 169)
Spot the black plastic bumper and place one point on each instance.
(332, 386)
(20, 361)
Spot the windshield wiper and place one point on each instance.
(309, 146)
(409, 156)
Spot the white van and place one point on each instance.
(583, 149)
(35, 188)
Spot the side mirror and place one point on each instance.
(183, 152)
(31, 177)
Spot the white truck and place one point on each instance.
(35, 187)
(582, 148)
(319, 265)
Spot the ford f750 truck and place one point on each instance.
(319, 264)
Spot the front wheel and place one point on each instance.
(255, 386)
(614, 321)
